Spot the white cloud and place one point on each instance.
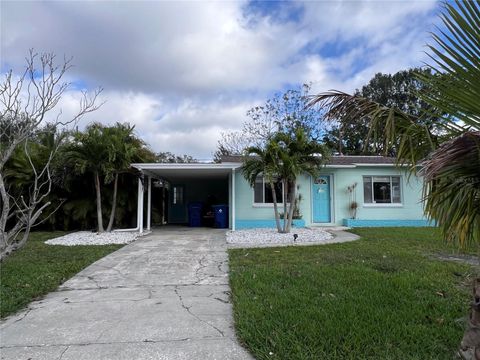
(189, 128)
(182, 72)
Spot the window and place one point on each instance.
(177, 195)
(263, 192)
(381, 190)
(320, 181)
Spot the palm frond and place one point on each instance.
(452, 194)
(451, 170)
(410, 137)
(455, 55)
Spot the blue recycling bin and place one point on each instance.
(221, 216)
(195, 214)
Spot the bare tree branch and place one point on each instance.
(26, 103)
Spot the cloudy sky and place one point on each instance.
(183, 72)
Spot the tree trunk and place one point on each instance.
(99, 202)
(8, 238)
(292, 206)
(275, 208)
(5, 204)
(114, 204)
(6, 250)
(470, 345)
(22, 242)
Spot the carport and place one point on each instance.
(209, 184)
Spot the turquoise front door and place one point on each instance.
(321, 199)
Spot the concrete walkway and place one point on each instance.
(166, 296)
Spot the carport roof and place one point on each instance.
(187, 170)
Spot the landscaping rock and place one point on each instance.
(92, 238)
(272, 236)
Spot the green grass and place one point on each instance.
(37, 269)
(383, 297)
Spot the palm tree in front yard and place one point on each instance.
(299, 155)
(285, 157)
(450, 159)
(263, 162)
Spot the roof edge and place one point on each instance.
(154, 166)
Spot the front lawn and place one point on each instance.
(387, 296)
(37, 269)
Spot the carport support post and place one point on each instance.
(149, 204)
(140, 205)
(232, 210)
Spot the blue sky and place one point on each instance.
(183, 72)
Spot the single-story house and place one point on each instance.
(354, 191)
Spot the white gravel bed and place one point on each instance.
(92, 238)
(272, 236)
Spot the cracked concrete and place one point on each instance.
(165, 296)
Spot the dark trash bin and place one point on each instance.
(221, 216)
(195, 214)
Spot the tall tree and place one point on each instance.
(451, 166)
(27, 103)
(400, 91)
(284, 112)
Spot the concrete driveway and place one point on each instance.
(166, 296)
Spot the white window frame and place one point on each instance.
(374, 204)
(264, 204)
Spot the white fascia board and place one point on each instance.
(339, 166)
(235, 163)
(362, 165)
(377, 165)
(191, 166)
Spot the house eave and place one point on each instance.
(352, 166)
(189, 166)
(375, 165)
(182, 172)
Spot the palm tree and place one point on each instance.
(263, 162)
(298, 155)
(122, 147)
(89, 153)
(285, 157)
(449, 159)
(106, 152)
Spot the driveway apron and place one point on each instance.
(165, 296)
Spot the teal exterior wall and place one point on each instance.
(250, 215)
(411, 207)
(386, 223)
(408, 213)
